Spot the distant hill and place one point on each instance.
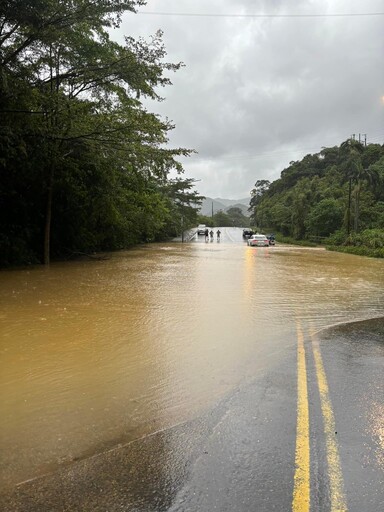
(233, 202)
(220, 204)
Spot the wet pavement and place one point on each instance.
(216, 407)
(355, 371)
(239, 455)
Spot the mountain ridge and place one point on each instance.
(213, 205)
(228, 202)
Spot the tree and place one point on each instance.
(237, 217)
(324, 218)
(261, 187)
(307, 198)
(222, 219)
(70, 98)
(356, 174)
(185, 202)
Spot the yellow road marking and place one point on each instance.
(301, 490)
(338, 501)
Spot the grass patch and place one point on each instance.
(289, 240)
(358, 250)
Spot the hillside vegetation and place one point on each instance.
(334, 197)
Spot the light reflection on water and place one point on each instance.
(98, 353)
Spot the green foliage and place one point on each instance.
(370, 238)
(84, 166)
(222, 219)
(236, 217)
(324, 218)
(360, 250)
(293, 241)
(204, 219)
(261, 187)
(233, 217)
(330, 194)
(339, 237)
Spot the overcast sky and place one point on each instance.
(257, 93)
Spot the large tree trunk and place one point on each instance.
(48, 218)
(357, 207)
(349, 207)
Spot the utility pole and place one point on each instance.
(361, 139)
(182, 217)
(212, 209)
(349, 207)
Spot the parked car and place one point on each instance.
(258, 241)
(247, 233)
(201, 229)
(271, 238)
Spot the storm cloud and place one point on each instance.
(259, 92)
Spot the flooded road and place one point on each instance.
(172, 338)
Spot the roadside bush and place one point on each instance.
(371, 238)
(358, 250)
(15, 251)
(290, 240)
(337, 238)
(367, 243)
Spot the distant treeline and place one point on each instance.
(84, 166)
(335, 196)
(232, 217)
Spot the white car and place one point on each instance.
(201, 229)
(258, 241)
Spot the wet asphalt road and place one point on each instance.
(355, 372)
(240, 454)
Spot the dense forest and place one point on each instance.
(84, 165)
(335, 197)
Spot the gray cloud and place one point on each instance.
(257, 93)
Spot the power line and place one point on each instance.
(377, 137)
(218, 15)
(250, 156)
(274, 154)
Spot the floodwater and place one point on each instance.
(95, 354)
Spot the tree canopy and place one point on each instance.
(84, 165)
(338, 189)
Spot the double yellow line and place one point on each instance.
(301, 492)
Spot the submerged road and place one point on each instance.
(288, 413)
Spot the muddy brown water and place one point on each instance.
(97, 353)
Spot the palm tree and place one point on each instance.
(355, 173)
